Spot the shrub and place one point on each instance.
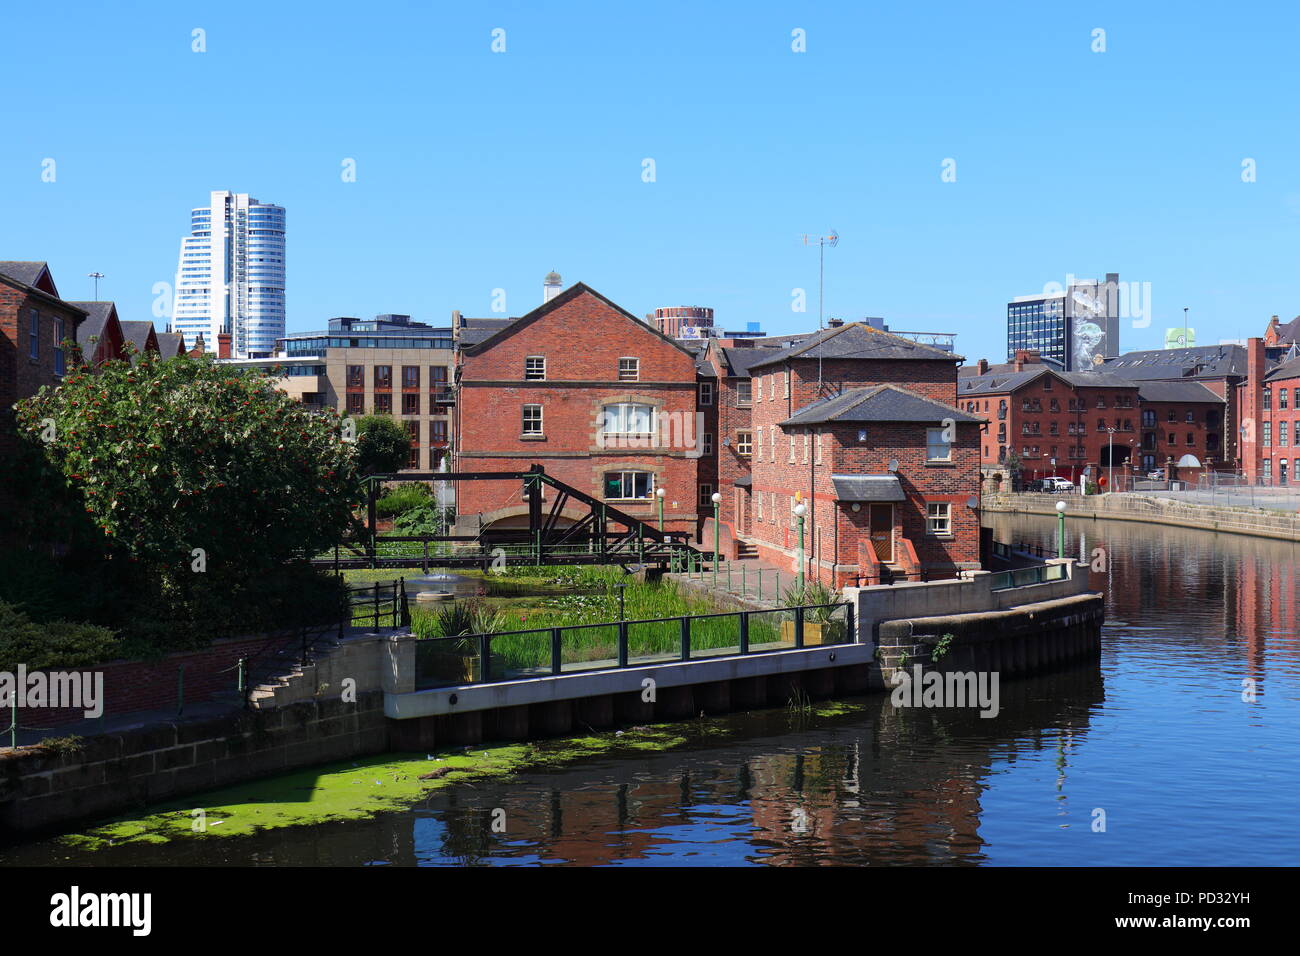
(382, 445)
(405, 497)
(52, 644)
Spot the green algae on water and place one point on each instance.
(353, 789)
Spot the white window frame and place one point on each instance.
(741, 402)
(623, 418)
(623, 480)
(745, 444)
(807, 444)
(819, 449)
(524, 420)
(931, 443)
(629, 372)
(938, 519)
(531, 375)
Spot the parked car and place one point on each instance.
(1035, 485)
(1057, 484)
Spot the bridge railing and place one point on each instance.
(577, 648)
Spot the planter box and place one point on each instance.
(815, 633)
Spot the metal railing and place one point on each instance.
(1020, 577)
(1001, 550)
(378, 604)
(551, 651)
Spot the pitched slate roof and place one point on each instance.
(473, 331)
(1288, 332)
(28, 273)
(878, 403)
(998, 382)
(1214, 361)
(137, 333)
(867, 488)
(1177, 392)
(97, 316)
(170, 344)
(857, 340)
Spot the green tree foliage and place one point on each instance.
(382, 445)
(203, 475)
(54, 644)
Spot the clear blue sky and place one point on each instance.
(478, 171)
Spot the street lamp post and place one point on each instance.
(717, 501)
(1060, 529)
(659, 493)
(1110, 457)
(799, 511)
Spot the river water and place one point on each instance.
(1149, 757)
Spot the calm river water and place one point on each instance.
(1157, 737)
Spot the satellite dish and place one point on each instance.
(972, 502)
(893, 464)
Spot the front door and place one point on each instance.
(882, 532)
(742, 511)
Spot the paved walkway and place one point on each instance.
(753, 579)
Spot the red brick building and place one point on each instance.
(1269, 399)
(598, 398)
(861, 424)
(34, 324)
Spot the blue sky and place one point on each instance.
(479, 170)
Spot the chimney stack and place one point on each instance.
(223, 345)
(983, 366)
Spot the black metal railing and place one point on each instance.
(377, 605)
(551, 651)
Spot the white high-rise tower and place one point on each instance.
(231, 276)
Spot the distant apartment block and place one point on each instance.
(230, 278)
(1075, 328)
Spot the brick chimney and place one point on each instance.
(834, 323)
(223, 345)
(983, 366)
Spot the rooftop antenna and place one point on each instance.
(822, 242)
(96, 276)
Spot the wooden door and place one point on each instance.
(882, 532)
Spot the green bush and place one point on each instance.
(422, 519)
(405, 497)
(51, 644)
(382, 445)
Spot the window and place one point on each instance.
(629, 369)
(1281, 398)
(1268, 433)
(771, 442)
(707, 444)
(706, 496)
(410, 404)
(383, 376)
(532, 419)
(535, 368)
(1191, 439)
(1282, 433)
(413, 457)
(59, 367)
(706, 393)
(629, 418)
(383, 404)
(744, 393)
(758, 443)
(34, 334)
(1268, 469)
(1191, 416)
(938, 517)
(629, 484)
(410, 376)
(1148, 418)
(412, 432)
(758, 499)
(937, 447)
(807, 443)
(787, 384)
(819, 449)
(1297, 432)
(437, 378)
(356, 403)
(771, 387)
(356, 376)
(1268, 398)
(1171, 416)
(744, 443)
(437, 432)
(1047, 384)
(791, 437)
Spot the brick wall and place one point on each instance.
(582, 338)
(20, 375)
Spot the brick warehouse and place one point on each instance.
(862, 424)
(598, 398)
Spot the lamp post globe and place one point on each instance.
(1060, 529)
(717, 500)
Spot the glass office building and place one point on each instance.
(230, 277)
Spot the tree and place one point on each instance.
(383, 445)
(205, 475)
